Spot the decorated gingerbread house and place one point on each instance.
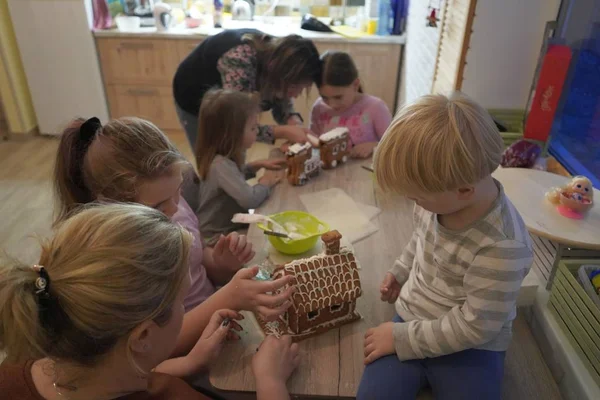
(334, 147)
(327, 287)
(303, 163)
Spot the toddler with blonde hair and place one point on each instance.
(456, 283)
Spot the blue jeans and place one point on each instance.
(189, 122)
(469, 374)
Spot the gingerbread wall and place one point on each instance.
(308, 321)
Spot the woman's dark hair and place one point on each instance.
(283, 62)
(338, 69)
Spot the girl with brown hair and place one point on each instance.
(99, 314)
(343, 103)
(248, 60)
(130, 159)
(227, 127)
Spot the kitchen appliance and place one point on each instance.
(311, 23)
(242, 10)
(60, 90)
(142, 9)
(163, 19)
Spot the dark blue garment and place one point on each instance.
(469, 374)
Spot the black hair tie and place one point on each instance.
(42, 283)
(89, 129)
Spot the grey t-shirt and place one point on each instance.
(222, 194)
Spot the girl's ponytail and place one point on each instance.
(338, 69)
(69, 181)
(21, 333)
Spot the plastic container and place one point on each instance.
(125, 23)
(583, 276)
(385, 23)
(306, 224)
(576, 313)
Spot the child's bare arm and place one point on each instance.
(207, 348)
(241, 293)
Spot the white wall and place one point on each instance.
(420, 53)
(504, 49)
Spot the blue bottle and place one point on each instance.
(386, 18)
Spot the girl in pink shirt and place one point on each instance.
(344, 104)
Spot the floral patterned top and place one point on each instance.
(238, 68)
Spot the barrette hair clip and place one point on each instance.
(42, 283)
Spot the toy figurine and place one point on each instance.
(574, 199)
(432, 19)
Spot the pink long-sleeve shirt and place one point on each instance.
(366, 119)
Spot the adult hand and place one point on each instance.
(221, 327)
(275, 361)
(363, 150)
(233, 251)
(260, 296)
(379, 342)
(390, 288)
(293, 133)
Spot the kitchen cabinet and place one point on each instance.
(154, 103)
(138, 73)
(138, 60)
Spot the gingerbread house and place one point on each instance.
(327, 287)
(303, 164)
(334, 147)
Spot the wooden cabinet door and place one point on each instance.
(152, 103)
(186, 46)
(138, 61)
(378, 66)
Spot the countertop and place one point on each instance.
(275, 29)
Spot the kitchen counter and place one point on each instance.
(275, 29)
(138, 66)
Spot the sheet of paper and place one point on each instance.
(341, 212)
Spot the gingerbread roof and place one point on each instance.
(334, 134)
(298, 148)
(323, 280)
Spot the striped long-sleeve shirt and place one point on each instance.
(459, 288)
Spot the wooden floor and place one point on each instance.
(26, 209)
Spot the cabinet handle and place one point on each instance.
(136, 46)
(142, 92)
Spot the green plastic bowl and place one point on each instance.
(305, 223)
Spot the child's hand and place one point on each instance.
(275, 360)
(275, 164)
(270, 179)
(363, 150)
(390, 288)
(220, 328)
(255, 296)
(233, 251)
(379, 342)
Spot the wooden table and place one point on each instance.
(526, 188)
(332, 363)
